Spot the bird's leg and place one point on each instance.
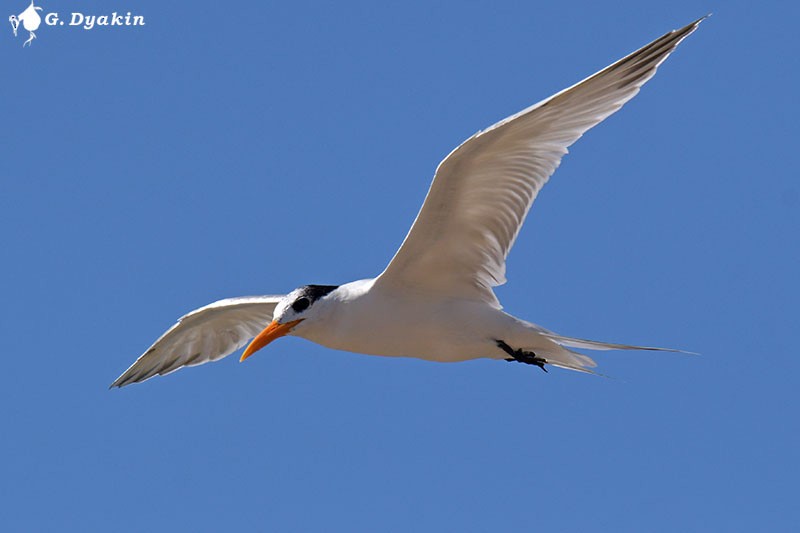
(28, 42)
(521, 356)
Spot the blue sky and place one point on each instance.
(250, 148)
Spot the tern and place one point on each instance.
(435, 299)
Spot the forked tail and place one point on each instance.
(555, 349)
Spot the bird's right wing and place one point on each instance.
(206, 334)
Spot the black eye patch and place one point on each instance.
(301, 304)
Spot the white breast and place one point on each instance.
(403, 324)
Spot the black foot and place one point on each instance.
(521, 356)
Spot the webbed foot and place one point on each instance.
(521, 356)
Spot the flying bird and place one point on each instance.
(434, 301)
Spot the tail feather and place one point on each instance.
(555, 348)
(576, 368)
(597, 345)
(557, 355)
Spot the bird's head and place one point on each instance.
(294, 308)
(14, 23)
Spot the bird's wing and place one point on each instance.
(483, 189)
(206, 334)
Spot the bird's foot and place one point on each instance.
(521, 356)
(31, 38)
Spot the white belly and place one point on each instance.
(409, 325)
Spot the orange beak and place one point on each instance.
(270, 333)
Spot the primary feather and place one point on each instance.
(206, 334)
(483, 189)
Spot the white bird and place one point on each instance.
(30, 21)
(435, 300)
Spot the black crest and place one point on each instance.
(310, 294)
(315, 292)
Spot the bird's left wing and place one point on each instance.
(483, 190)
(206, 334)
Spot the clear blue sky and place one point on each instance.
(252, 147)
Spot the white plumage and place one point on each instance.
(434, 300)
(204, 335)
